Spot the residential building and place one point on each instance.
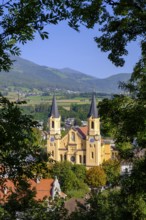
(45, 188)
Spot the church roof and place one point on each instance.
(83, 131)
(54, 109)
(93, 109)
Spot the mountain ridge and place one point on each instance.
(25, 73)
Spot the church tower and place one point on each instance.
(93, 139)
(93, 119)
(54, 119)
(54, 135)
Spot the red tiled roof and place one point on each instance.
(83, 131)
(10, 188)
(43, 188)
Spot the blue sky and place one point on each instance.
(76, 50)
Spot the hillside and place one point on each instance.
(30, 75)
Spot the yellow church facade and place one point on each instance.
(81, 145)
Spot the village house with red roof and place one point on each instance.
(45, 188)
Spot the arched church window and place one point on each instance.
(64, 156)
(53, 124)
(73, 136)
(92, 125)
(80, 158)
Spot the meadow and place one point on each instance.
(38, 98)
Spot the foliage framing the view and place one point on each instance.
(20, 20)
(120, 22)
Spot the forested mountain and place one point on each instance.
(30, 75)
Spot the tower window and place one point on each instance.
(53, 124)
(92, 155)
(92, 125)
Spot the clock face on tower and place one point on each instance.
(91, 140)
(52, 139)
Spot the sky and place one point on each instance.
(67, 48)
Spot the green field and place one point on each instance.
(39, 99)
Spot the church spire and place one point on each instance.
(54, 109)
(93, 109)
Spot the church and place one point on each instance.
(81, 145)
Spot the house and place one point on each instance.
(45, 188)
(126, 168)
(81, 145)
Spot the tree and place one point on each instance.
(80, 171)
(112, 169)
(116, 20)
(19, 151)
(20, 20)
(103, 205)
(71, 178)
(26, 207)
(125, 117)
(125, 202)
(96, 177)
(20, 156)
(77, 122)
(120, 23)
